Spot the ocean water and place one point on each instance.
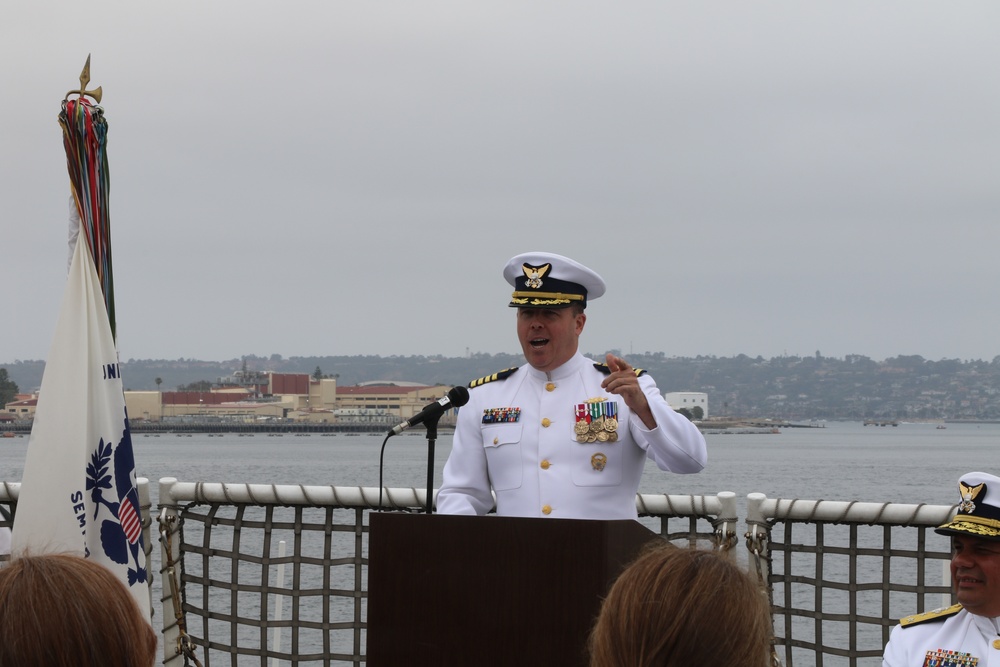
(909, 463)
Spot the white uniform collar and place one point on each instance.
(575, 363)
(988, 625)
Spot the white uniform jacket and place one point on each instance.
(516, 436)
(945, 638)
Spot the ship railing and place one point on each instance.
(238, 554)
(841, 574)
(265, 574)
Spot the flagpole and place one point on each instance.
(79, 491)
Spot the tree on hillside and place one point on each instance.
(8, 388)
(317, 374)
(203, 385)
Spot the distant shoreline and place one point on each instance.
(711, 426)
(302, 428)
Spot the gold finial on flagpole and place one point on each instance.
(84, 80)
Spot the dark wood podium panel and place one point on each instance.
(462, 591)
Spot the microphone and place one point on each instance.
(456, 398)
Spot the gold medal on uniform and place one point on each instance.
(596, 421)
(611, 417)
(582, 425)
(598, 461)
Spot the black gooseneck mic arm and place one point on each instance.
(381, 460)
(432, 424)
(432, 434)
(456, 398)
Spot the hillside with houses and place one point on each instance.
(856, 387)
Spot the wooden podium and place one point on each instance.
(467, 591)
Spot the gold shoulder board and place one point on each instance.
(499, 375)
(607, 371)
(928, 616)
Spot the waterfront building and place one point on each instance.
(689, 400)
(283, 396)
(22, 407)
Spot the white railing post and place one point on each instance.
(170, 552)
(756, 536)
(725, 531)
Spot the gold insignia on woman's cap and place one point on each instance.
(547, 280)
(979, 510)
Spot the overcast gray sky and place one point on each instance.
(340, 178)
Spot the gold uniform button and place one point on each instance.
(546, 422)
(996, 643)
(545, 464)
(550, 387)
(547, 509)
(496, 441)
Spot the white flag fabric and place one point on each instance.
(74, 232)
(78, 492)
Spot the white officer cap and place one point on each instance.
(547, 280)
(979, 512)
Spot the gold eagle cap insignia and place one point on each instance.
(969, 493)
(534, 274)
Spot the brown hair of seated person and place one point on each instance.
(67, 611)
(675, 607)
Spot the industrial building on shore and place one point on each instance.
(262, 397)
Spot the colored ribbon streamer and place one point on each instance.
(85, 133)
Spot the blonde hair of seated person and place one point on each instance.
(680, 607)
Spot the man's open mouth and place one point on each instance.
(539, 342)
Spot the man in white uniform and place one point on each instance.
(561, 437)
(968, 633)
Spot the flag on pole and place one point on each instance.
(78, 492)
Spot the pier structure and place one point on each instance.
(881, 422)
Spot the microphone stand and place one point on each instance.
(432, 434)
